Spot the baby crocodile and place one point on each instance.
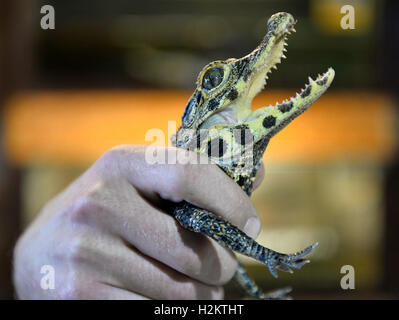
(218, 121)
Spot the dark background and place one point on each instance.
(163, 44)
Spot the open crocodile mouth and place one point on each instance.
(259, 64)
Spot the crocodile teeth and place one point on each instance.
(277, 58)
(298, 94)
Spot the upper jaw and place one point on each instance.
(265, 58)
(253, 72)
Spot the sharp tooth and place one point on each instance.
(293, 30)
(283, 56)
(274, 67)
(310, 80)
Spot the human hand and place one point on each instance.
(108, 237)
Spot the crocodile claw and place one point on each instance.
(284, 262)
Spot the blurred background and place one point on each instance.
(111, 70)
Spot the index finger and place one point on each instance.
(204, 185)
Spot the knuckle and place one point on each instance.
(121, 151)
(88, 207)
(84, 209)
(109, 158)
(78, 249)
(114, 153)
(111, 161)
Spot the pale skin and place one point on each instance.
(107, 235)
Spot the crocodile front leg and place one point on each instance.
(199, 220)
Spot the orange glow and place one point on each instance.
(77, 127)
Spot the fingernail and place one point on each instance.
(252, 227)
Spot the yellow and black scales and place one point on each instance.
(218, 121)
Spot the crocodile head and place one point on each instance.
(225, 90)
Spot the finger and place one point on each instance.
(204, 185)
(105, 291)
(123, 212)
(259, 176)
(123, 266)
(158, 281)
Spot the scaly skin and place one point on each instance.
(218, 121)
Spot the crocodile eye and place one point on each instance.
(212, 78)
